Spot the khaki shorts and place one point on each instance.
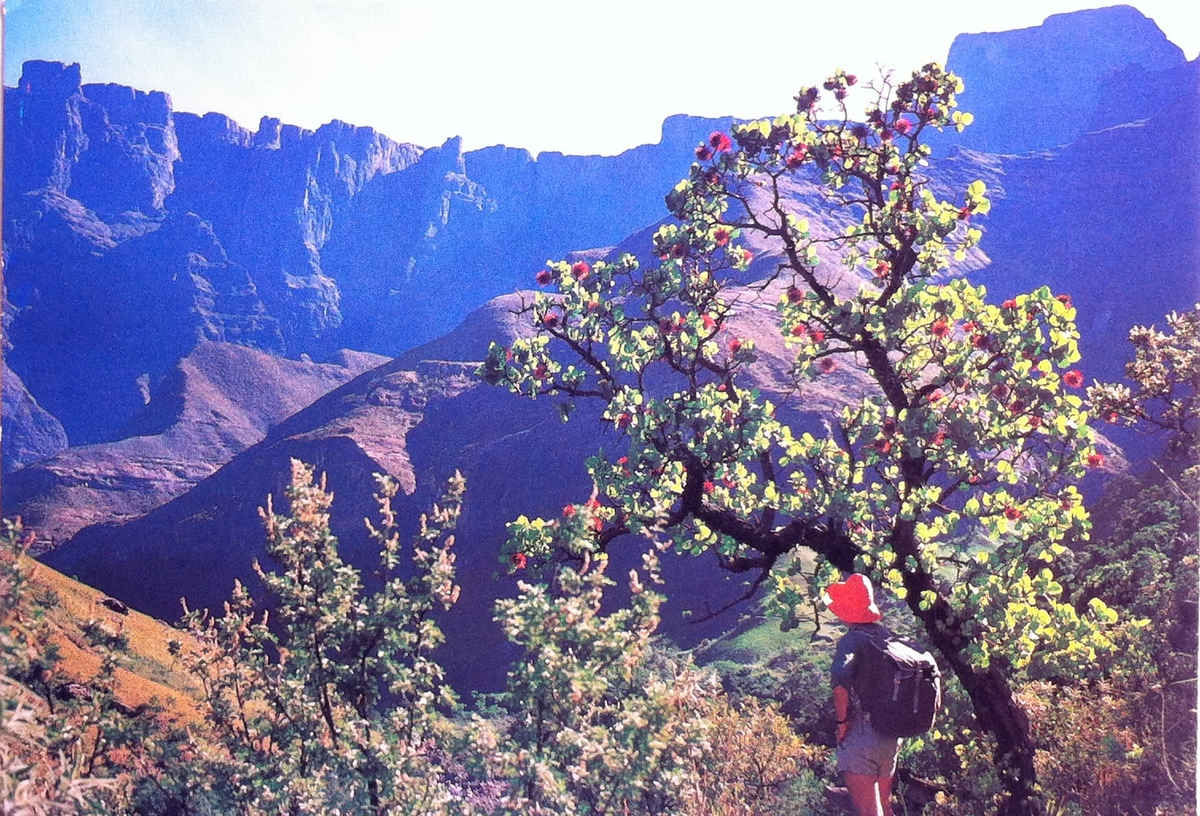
(866, 752)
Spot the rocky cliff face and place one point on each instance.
(1044, 86)
(108, 146)
(134, 232)
(282, 239)
(30, 431)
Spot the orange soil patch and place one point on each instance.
(146, 670)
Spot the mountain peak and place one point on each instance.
(42, 76)
(1039, 87)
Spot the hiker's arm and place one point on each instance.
(841, 708)
(842, 676)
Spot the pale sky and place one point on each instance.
(580, 77)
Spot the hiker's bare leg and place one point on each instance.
(885, 795)
(863, 794)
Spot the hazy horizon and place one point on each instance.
(527, 74)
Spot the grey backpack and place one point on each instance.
(899, 686)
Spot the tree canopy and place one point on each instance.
(948, 476)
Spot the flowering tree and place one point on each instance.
(1165, 395)
(946, 477)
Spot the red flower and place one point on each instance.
(721, 236)
(598, 524)
(1074, 378)
(980, 341)
(747, 255)
(703, 152)
(1009, 304)
(940, 328)
(903, 126)
(795, 294)
(883, 445)
(719, 141)
(540, 371)
(734, 345)
(624, 420)
(964, 213)
(545, 276)
(799, 330)
(1112, 416)
(936, 395)
(581, 269)
(827, 364)
(818, 336)
(1012, 513)
(551, 319)
(709, 487)
(939, 436)
(708, 321)
(1064, 299)
(1035, 421)
(796, 157)
(1095, 460)
(882, 269)
(569, 511)
(519, 560)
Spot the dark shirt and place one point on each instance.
(846, 657)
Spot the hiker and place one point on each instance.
(865, 758)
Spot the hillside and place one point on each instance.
(218, 400)
(80, 618)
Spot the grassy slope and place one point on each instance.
(146, 672)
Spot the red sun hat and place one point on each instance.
(853, 600)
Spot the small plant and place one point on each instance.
(600, 718)
(336, 705)
(59, 754)
(47, 597)
(106, 635)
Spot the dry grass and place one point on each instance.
(146, 670)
